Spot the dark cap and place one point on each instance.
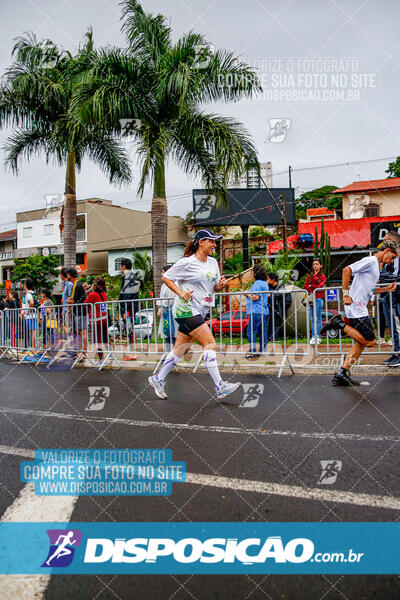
(206, 234)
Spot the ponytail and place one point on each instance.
(191, 248)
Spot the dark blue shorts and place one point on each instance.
(189, 324)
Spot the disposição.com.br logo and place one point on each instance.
(62, 547)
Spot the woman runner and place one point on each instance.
(198, 276)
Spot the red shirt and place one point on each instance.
(313, 282)
(101, 309)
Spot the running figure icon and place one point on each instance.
(62, 549)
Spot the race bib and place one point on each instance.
(208, 300)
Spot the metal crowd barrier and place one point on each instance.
(334, 342)
(19, 331)
(45, 334)
(116, 328)
(148, 326)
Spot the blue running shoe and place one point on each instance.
(227, 388)
(158, 386)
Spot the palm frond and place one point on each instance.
(147, 35)
(23, 144)
(108, 154)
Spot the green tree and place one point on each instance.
(316, 199)
(283, 264)
(393, 168)
(159, 85)
(141, 263)
(41, 269)
(35, 99)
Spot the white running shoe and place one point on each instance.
(227, 388)
(312, 341)
(158, 386)
(318, 341)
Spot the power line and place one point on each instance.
(333, 165)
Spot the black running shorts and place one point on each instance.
(189, 324)
(364, 326)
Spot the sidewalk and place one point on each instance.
(301, 361)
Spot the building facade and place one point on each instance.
(375, 198)
(101, 227)
(8, 244)
(251, 179)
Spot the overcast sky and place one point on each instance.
(358, 41)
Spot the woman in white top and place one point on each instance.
(194, 279)
(168, 326)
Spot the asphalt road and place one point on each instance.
(276, 435)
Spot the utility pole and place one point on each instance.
(245, 242)
(290, 176)
(284, 225)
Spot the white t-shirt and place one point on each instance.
(192, 274)
(28, 314)
(365, 277)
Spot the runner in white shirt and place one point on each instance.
(194, 279)
(365, 276)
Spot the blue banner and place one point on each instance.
(207, 548)
(88, 472)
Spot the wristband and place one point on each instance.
(345, 292)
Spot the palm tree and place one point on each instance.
(159, 85)
(35, 99)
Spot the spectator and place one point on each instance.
(12, 299)
(29, 315)
(67, 290)
(12, 302)
(79, 312)
(98, 297)
(48, 319)
(377, 301)
(257, 312)
(168, 326)
(129, 296)
(391, 302)
(314, 281)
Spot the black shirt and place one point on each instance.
(79, 294)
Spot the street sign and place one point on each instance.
(332, 295)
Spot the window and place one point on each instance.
(117, 264)
(372, 210)
(226, 316)
(81, 227)
(27, 232)
(48, 229)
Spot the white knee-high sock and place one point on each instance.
(210, 358)
(169, 364)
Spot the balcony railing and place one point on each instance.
(6, 255)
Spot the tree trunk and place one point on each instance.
(70, 213)
(159, 224)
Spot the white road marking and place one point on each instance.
(243, 485)
(207, 428)
(30, 507)
(293, 491)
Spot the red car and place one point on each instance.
(234, 321)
